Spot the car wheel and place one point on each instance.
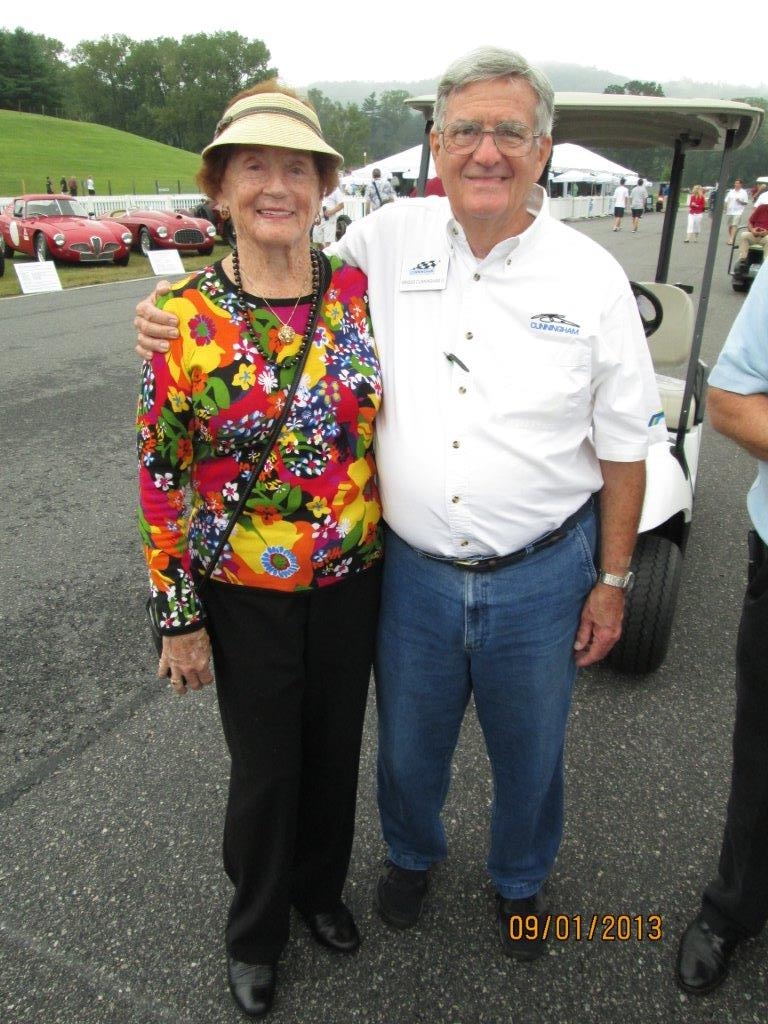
(206, 251)
(41, 248)
(123, 261)
(650, 606)
(145, 241)
(739, 285)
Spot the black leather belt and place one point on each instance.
(500, 561)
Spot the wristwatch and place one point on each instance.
(625, 582)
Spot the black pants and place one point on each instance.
(736, 903)
(292, 673)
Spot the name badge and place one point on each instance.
(427, 275)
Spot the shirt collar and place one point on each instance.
(537, 206)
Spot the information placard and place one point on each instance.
(166, 262)
(37, 277)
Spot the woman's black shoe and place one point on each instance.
(252, 986)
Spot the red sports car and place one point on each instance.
(161, 229)
(60, 228)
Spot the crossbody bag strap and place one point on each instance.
(324, 280)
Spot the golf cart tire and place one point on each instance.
(650, 607)
(740, 286)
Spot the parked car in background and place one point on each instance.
(58, 227)
(161, 229)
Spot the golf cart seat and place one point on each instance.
(668, 318)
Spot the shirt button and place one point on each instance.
(475, 277)
(455, 444)
(464, 543)
(462, 391)
(455, 499)
(469, 335)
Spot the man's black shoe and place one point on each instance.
(335, 929)
(523, 925)
(252, 986)
(702, 958)
(400, 895)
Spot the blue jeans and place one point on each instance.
(507, 637)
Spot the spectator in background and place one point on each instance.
(637, 199)
(63, 185)
(325, 231)
(620, 197)
(736, 199)
(90, 186)
(755, 234)
(378, 193)
(49, 185)
(697, 203)
(72, 186)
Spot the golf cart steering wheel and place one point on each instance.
(648, 306)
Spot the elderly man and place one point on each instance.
(517, 384)
(735, 903)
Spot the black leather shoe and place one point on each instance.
(702, 958)
(400, 895)
(335, 929)
(252, 986)
(523, 925)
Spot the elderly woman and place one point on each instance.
(290, 608)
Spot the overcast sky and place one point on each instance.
(324, 42)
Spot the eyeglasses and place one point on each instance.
(511, 137)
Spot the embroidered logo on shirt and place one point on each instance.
(553, 322)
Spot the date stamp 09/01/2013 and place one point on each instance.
(586, 927)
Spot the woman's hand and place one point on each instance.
(154, 327)
(187, 659)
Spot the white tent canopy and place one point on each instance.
(567, 158)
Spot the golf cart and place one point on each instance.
(674, 330)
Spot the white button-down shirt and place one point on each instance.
(505, 379)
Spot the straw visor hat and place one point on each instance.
(271, 119)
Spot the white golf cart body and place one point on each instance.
(674, 331)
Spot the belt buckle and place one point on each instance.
(467, 563)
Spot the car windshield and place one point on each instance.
(55, 208)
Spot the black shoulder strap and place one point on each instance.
(324, 279)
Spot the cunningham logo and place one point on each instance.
(425, 267)
(553, 322)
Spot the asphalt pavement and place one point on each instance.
(112, 898)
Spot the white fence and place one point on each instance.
(566, 208)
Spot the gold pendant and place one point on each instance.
(286, 334)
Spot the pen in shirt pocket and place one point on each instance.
(455, 359)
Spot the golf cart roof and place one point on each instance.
(603, 119)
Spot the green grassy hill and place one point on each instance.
(35, 146)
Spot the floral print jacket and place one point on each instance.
(206, 406)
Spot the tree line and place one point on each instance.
(174, 91)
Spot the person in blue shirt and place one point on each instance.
(735, 904)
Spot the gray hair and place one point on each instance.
(489, 62)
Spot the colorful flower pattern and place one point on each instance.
(205, 409)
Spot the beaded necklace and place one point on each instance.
(286, 333)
